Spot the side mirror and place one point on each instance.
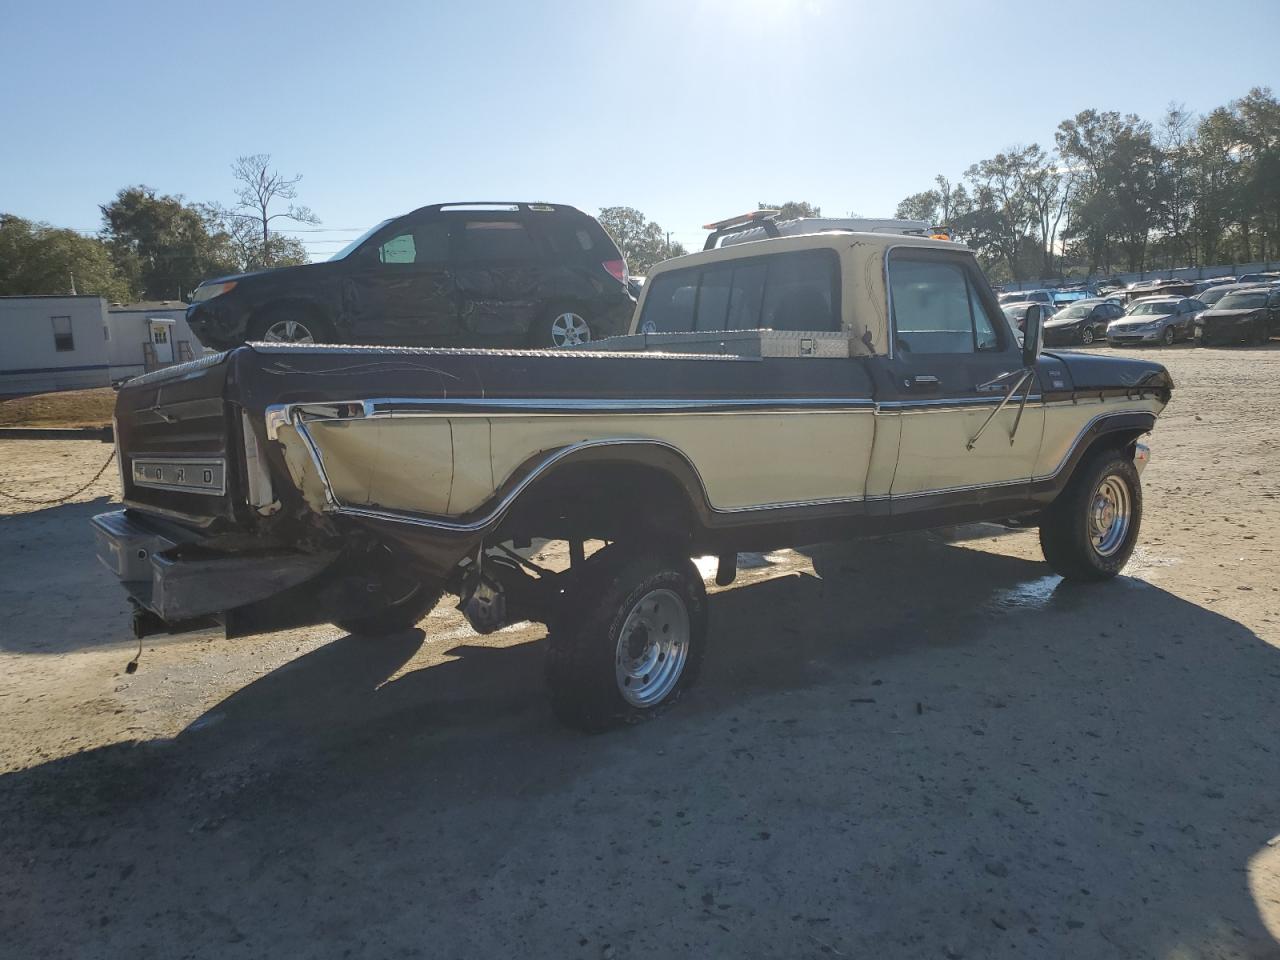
(1032, 335)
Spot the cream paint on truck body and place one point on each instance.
(451, 465)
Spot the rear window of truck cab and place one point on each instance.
(783, 291)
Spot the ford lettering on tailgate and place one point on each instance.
(188, 475)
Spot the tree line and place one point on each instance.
(1120, 193)
(158, 247)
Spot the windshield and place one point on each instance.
(1214, 294)
(1243, 301)
(1150, 308)
(1010, 298)
(1074, 312)
(1016, 312)
(359, 240)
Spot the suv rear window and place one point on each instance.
(788, 291)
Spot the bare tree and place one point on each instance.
(260, 188)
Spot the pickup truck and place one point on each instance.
(772, 393)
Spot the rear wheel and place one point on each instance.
(631, 638)
(562, 326)
(1089, 532)
(401, 614)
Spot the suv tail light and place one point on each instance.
(617, 269)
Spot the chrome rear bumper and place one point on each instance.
(146, 555)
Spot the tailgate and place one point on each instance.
(177, 441)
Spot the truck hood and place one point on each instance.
(1090, 372)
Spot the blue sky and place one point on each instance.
(690, 110)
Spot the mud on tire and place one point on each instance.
(605, 652)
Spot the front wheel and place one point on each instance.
(289, 325)
(1086, 336)
(1168, 336)
(1089, 532)
(630, 638)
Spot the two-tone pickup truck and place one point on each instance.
(771, 393)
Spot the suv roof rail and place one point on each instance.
(500, 206)
(745, 221)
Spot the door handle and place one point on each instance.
(921, 382)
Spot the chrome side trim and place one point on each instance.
(406, 407)
(496, 512)
(279, 414)
(411, 406)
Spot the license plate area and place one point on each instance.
(206, 475)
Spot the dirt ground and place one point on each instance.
(919, 747)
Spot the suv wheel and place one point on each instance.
(629, 639)
(1089, 532)
(566, 327)
(289, 325)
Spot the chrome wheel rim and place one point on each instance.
(1086, 335)
(653, 646)
(1109, 516)
(570, 329)
(289, 331)
(1168, 335)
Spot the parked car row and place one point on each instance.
(1226, 313)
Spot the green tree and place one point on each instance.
(245, 240)
(164, 246)
(792, 209)
(925, 205)
(36, 258)
(643, 243)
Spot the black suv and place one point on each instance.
(451, 274)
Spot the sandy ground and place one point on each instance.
(923, 747)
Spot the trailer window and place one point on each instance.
(63, 338)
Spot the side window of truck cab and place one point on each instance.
(937, 307)
(786, 291)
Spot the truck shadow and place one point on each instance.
(920, 748)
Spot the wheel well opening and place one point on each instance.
(603, 501)
(1122, 440)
